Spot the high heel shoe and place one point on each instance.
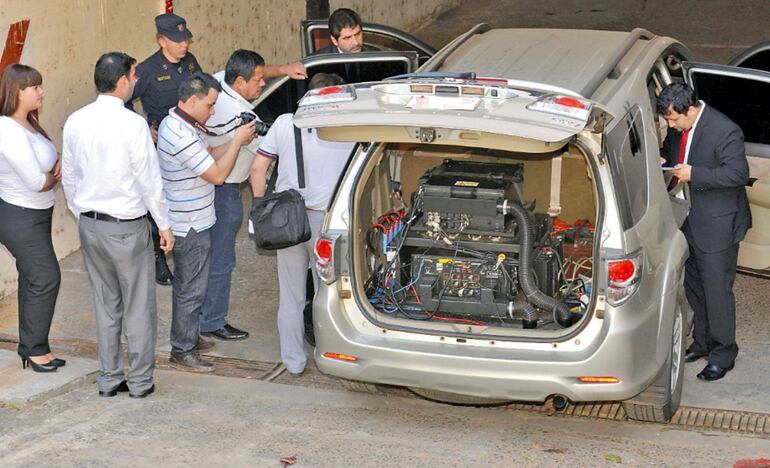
(58, 362)
(47, 367)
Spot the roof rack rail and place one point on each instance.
(609, 66)
(437, 60)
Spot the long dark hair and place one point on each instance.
(15, 78)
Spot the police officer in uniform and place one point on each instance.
(157, 88)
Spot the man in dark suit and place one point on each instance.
(708, 151)
(345, 33)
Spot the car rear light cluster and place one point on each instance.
(567, 106)
(328, 95)
(324, 252)
(623, 276)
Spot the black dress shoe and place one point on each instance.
(191, 362)
(144, 393)
(713, 372)
(228, 332)
(122, 387)
(692, 356)
(163, 275)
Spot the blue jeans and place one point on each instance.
(229, 211)
(191, 269)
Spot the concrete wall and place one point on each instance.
(66, 37)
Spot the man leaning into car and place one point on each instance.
(323, 164)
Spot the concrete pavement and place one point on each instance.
(195, 420)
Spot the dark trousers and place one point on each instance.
(708, 282)
(229, 210)
(191, 271)
(26, 233)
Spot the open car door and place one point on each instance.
(743, 94)
(756, 57)
(315, 36)
(281, 95)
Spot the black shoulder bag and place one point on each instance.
(279, 218)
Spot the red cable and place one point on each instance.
(459, 320)
(416, 296)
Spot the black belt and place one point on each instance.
(105, 217)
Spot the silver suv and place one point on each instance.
(503, 230)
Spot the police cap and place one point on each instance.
(173, 27)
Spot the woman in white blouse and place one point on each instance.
(29, 170)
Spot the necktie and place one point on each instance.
(682, 153)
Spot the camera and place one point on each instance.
(260, 127)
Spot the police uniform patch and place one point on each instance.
(163, 78)
(191, 67)
(180, 27)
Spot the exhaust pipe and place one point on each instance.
(559, 402)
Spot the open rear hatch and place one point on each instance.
(445, 232)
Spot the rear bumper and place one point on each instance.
(629, 349)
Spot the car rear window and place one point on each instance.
(625, 151)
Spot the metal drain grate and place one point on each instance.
(689, 418)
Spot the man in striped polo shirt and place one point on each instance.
(190, 169)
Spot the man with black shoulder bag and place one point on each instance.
(307, 172)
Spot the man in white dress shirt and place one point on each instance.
(242, 81)
(111, 179)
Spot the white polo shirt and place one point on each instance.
(324, 161)
(229, 104)
(183, 157)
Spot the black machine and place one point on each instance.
(470, 247)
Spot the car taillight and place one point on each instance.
(568, 106)
(623, 275)
(324, 252)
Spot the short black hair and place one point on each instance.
(242, 63)
(343, 18)
(109, 68)
(198, 84)
(322, 80)
(677, 97)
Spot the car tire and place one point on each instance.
(660, 401)
(456, 398)
(360, 387)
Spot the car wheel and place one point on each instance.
(659, 401)
(360, 387)
(456, 398)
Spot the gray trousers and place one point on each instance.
(292, 287)
(119, 260)
(192, 255)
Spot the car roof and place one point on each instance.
(568, 58)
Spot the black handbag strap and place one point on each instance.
(273, 178)
(300, 164)
(300, 158)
